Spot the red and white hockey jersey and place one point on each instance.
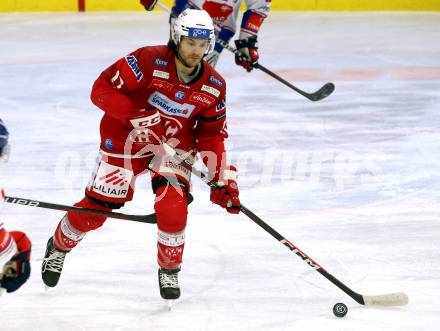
(144, 100)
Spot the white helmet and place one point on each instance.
(194, 23)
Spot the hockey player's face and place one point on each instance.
(192, 50)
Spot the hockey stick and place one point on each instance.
(390, 299)
(322, 93)
(151, 218)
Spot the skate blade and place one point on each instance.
(170, 304)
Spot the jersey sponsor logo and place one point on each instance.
(160, 84)
(221, 105)
(198, 33)
(171, 131)
(168, 106)
(161, 74)
(141, 133)
(160, 62)
(179, 95)
(133, 64)
(202, 98)
(145, 122)
(211, 90)
(172, 126)
(112, 181)
(169, 167)
(108, 143)
(215, 80)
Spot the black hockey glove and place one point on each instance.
(16, 272)
(248, 56)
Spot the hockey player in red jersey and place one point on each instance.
(225, 15)
(155, 95)
(15, 246)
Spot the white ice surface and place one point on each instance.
(352, 180)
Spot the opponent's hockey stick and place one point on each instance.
(151, 218)
(390, 299)
(322, 93)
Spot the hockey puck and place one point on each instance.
(340, 309)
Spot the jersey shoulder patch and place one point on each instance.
(134, 66)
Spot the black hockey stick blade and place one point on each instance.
(150, 218)
(322, 93)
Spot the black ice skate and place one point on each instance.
(169, 284)
(52, 264)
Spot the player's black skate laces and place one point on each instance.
(54, 262)
(168, 279)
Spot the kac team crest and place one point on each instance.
(179, 95)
